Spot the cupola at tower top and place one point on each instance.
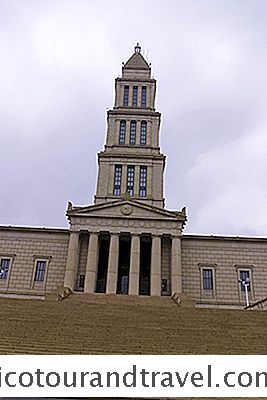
(137, 48)
(136, 66)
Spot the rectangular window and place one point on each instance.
(143, 133)
(133, 132)
(135, 96)
(117, 180)
(130, 179)
(40, 271)
(244, 279)
(143, 180)
(122, 132)
(4, 268)
(143, 100)
(207, 275)
(126, 96)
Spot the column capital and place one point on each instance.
(175, 236)
(74, 231)
(94, 233)
(156, 235)
(135, 234)
(114, 233)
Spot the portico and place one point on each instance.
(125, 252)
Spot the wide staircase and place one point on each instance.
(117, 324)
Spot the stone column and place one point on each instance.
(72, 261)
(113, 261)
(134, 265)
(176, 265)
(155, 283)
(91, 265)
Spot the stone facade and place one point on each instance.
(127, 242)
(227, 257)
(23, 247)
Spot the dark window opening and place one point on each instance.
(135, 96)
(143, 133)
(126, 96)
(102, 270)
(81, 281)
(117, 180)
(207, 279)
(244, 277)
(145, 265)
(4, 268)
(40, 271)
(130, 180)
(143, 100)
(133, 132)
(124, 264)
(122, 132)
(143, 180)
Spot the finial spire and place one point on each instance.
(137, 49)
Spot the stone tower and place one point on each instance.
(126, 242)
(131, 162)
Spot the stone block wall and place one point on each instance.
(26, 245)
(226, 256)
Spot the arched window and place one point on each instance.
(122, 132)
(133, 132)
(143, 133)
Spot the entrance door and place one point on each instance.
(124, 264)
(145, 265)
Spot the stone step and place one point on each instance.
(117, 324)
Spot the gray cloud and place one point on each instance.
(58, 65)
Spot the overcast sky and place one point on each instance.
(58, 62)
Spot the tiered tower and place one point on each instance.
(131, 162)
(127, 242)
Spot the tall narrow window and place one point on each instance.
(40, 271)
(126, 96)
(135, 96)
(130, 179)
(244, 277)
(117, 180)
(133, 132)
(207, 279)
(143, 133)
(4, 268)
(143, 99)
(142, 182)
(122, 132)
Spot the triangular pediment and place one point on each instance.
(136, 61)
(125, 208)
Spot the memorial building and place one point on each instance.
(127, 242)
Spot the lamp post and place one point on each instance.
(245, 283)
